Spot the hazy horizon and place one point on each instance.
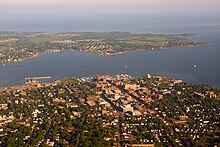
(42, 15)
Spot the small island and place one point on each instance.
(19, 46)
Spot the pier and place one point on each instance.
(34, 80)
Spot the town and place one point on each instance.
(110, 111)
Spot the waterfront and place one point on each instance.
(178, 63)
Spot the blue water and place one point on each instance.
(178, 63)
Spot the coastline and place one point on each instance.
(111, 54)
(52, 82)
(27, 58)
(158, 49)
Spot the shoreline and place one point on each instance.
(158, 49)
(24, 85)
(98, 54)
(27, 58)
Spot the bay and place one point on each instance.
(176, 62)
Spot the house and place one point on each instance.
(72, 105)
(92, 98)
(142, 145)
(178, 81)
(130, 86)
(3, 106)
(127, 108)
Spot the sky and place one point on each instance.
(23, 11)
(97, 7)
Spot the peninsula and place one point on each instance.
(18, 46)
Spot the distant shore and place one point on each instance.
(18, 47)
(111, 54)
